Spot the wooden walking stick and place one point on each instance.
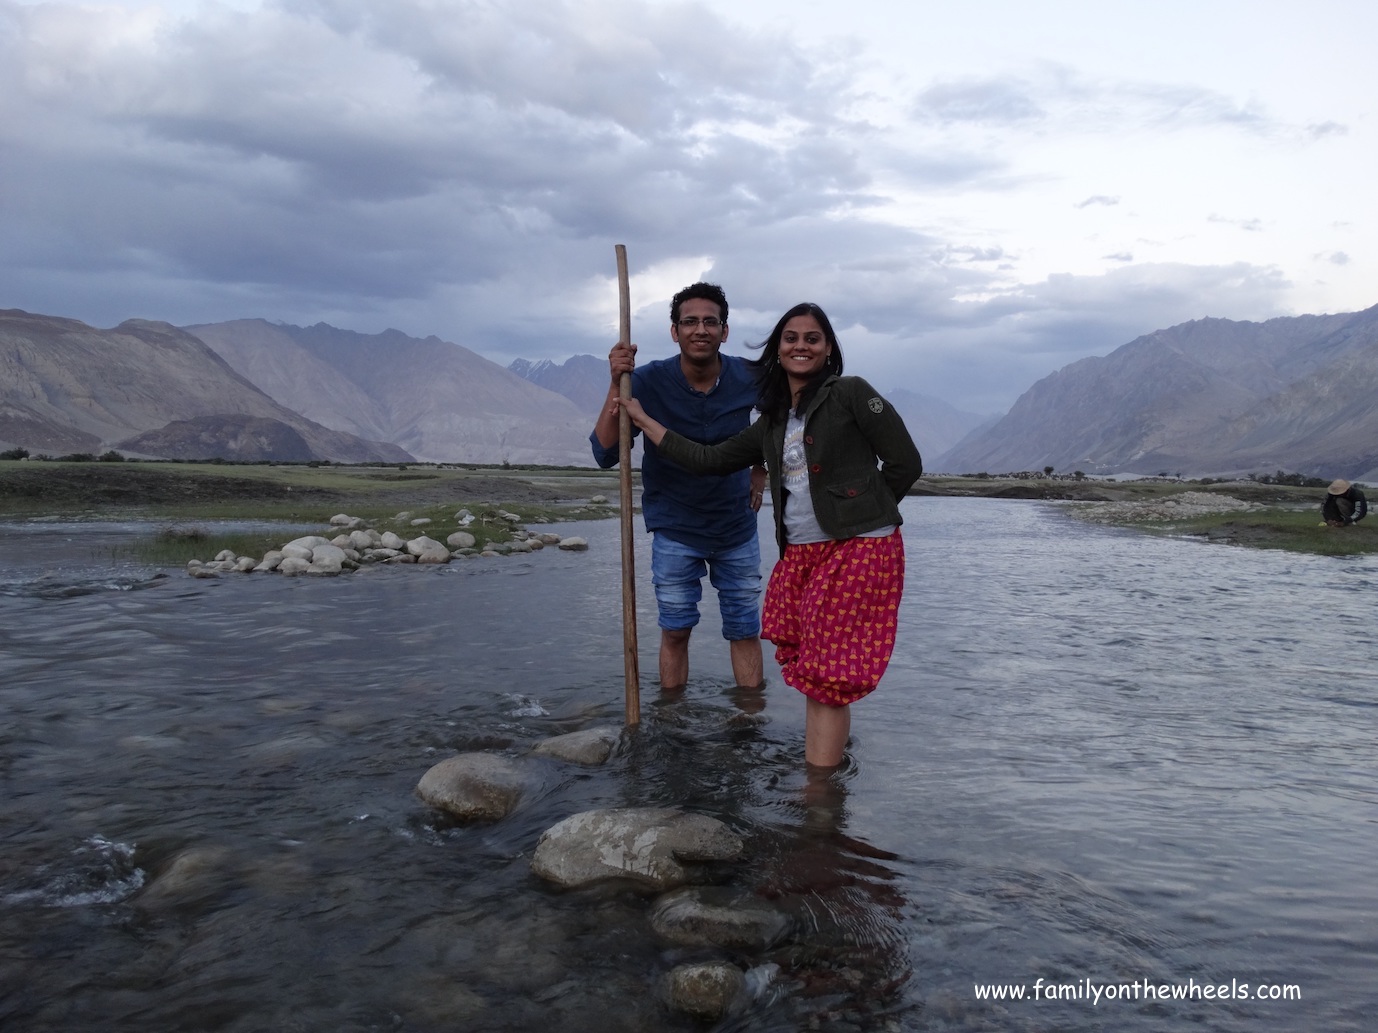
(624, 429)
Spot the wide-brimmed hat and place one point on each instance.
(1339, 487)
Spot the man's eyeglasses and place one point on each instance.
(692, 323)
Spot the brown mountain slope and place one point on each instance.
(66, 385)
(439, 400)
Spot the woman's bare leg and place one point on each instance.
(826, 730)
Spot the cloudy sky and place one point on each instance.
(978, 193)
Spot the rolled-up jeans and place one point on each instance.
(677, 572)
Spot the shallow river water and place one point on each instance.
(1131, 776)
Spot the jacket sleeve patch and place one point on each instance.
(876, 405)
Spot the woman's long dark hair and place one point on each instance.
(773, 383)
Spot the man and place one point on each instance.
(697, 524)
(1344, 504)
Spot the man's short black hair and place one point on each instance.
(708, 291)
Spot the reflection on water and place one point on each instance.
(1096, 758)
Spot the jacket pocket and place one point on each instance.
(857, 502)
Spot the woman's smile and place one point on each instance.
(803, 348)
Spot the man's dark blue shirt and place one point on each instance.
(703, 512)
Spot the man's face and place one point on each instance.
(698, 343)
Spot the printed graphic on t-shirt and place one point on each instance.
(795, 472)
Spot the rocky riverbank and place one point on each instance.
(1186, 506)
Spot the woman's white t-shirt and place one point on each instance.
(801, 525)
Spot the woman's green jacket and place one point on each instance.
(848, 429)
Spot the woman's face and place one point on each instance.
(803, 348)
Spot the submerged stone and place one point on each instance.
(591, 746)
(707, 990)
(718, 916)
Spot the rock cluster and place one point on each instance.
(662, 851)
(483, 786)
(356, 544)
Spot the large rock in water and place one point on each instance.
(473, 786)
(658, 848)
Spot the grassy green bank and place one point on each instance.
(1279, 516)
(1279, 529)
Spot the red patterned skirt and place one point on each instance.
(831, 610)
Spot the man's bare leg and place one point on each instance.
(746, 663)
(674, 659)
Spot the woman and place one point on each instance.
(833, 597)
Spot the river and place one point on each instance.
(1132, 776)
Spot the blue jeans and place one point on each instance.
(677, 572)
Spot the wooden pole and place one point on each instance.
(624, 428)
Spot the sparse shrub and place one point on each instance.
(111, 457)
(1295, 480)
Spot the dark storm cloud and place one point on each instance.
(464, 168)
(266, 148)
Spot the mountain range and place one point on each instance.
(1212, 397)
(583, 379)
(1209, 397)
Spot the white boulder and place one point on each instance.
(655, 847)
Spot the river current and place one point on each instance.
(1129, 778)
